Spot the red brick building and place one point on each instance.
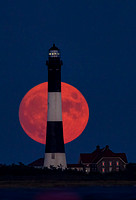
(101, 160)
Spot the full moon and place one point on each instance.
(33, 112)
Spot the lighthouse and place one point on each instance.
(54, 150)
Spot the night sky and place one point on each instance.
(97, 39)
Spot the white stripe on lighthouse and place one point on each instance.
(54, 106)
(57, 160)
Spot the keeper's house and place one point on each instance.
(101, 160)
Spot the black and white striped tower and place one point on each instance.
(54, 151)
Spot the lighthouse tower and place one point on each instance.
(54, 151)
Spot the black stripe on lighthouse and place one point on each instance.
(54, 80)
(55, 137)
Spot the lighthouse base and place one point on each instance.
(57, 160)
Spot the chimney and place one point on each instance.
(98, 147)
(107, 147)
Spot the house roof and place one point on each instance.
(37, 163)
(96, 155)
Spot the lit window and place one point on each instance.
(103, 163)
(54, 53)
(110, 169)
(117, 163)
(110, 163)
(103, 170)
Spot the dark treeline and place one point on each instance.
(21, 171)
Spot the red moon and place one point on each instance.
(33, 112)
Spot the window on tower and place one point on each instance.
(53, 155)
(54, 53)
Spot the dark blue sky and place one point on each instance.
(97, 39)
